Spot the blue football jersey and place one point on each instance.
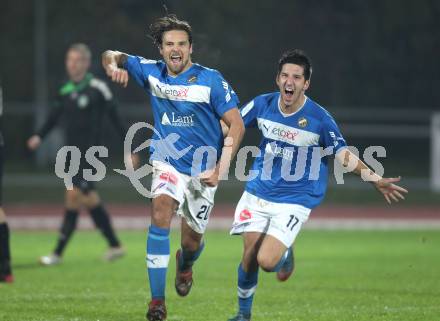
(290, 166)
(188, 106)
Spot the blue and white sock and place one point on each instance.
(187, 258)
(158, 256)
(282, 260)
(247, 285)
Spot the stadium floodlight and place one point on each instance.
(435, 153)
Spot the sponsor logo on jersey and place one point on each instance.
(287, 134)
(277, 151)
(176, 92)
(302, 122)
(190, 93)
(178, 120)
(245, 215)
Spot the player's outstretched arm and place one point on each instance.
(112, 61)
(384, 185)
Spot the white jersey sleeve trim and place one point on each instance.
(147, 61)
(246, 109)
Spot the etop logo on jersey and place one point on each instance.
(285, 133)
(179, 92)
(178, 120)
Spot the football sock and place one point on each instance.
(67, 228)
(282, 260)
(5, 254)
(158, 256)
(247, 285)
(187, 258)
(102, 221)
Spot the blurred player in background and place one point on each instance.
(83, 102)
(273, 209)
(5, 252)
(189, 100)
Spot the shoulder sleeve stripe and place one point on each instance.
(247, 108)
(102, 87)
(143, 60)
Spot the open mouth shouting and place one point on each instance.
(288, 92)
(176, 58)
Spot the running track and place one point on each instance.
(137, 217)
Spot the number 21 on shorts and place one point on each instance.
(204, 212)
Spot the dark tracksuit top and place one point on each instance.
(82, 107)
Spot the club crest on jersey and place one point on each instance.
(192, 79)
(82, 101)
(245, 215)
(302, 122)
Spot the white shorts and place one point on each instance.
(195, 199)
(280, 220)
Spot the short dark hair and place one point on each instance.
(167, 23)
(297, 57)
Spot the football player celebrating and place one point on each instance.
(295, 131)
(188, 100)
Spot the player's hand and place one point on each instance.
(225, 128)
(34, 142)
(210, 177)
(117, 75)
(390, 191)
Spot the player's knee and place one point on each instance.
(190, 244)
(191, 241)
(266, 262)
(162, 212)
(73, 199)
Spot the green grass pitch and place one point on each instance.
(341, 275)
